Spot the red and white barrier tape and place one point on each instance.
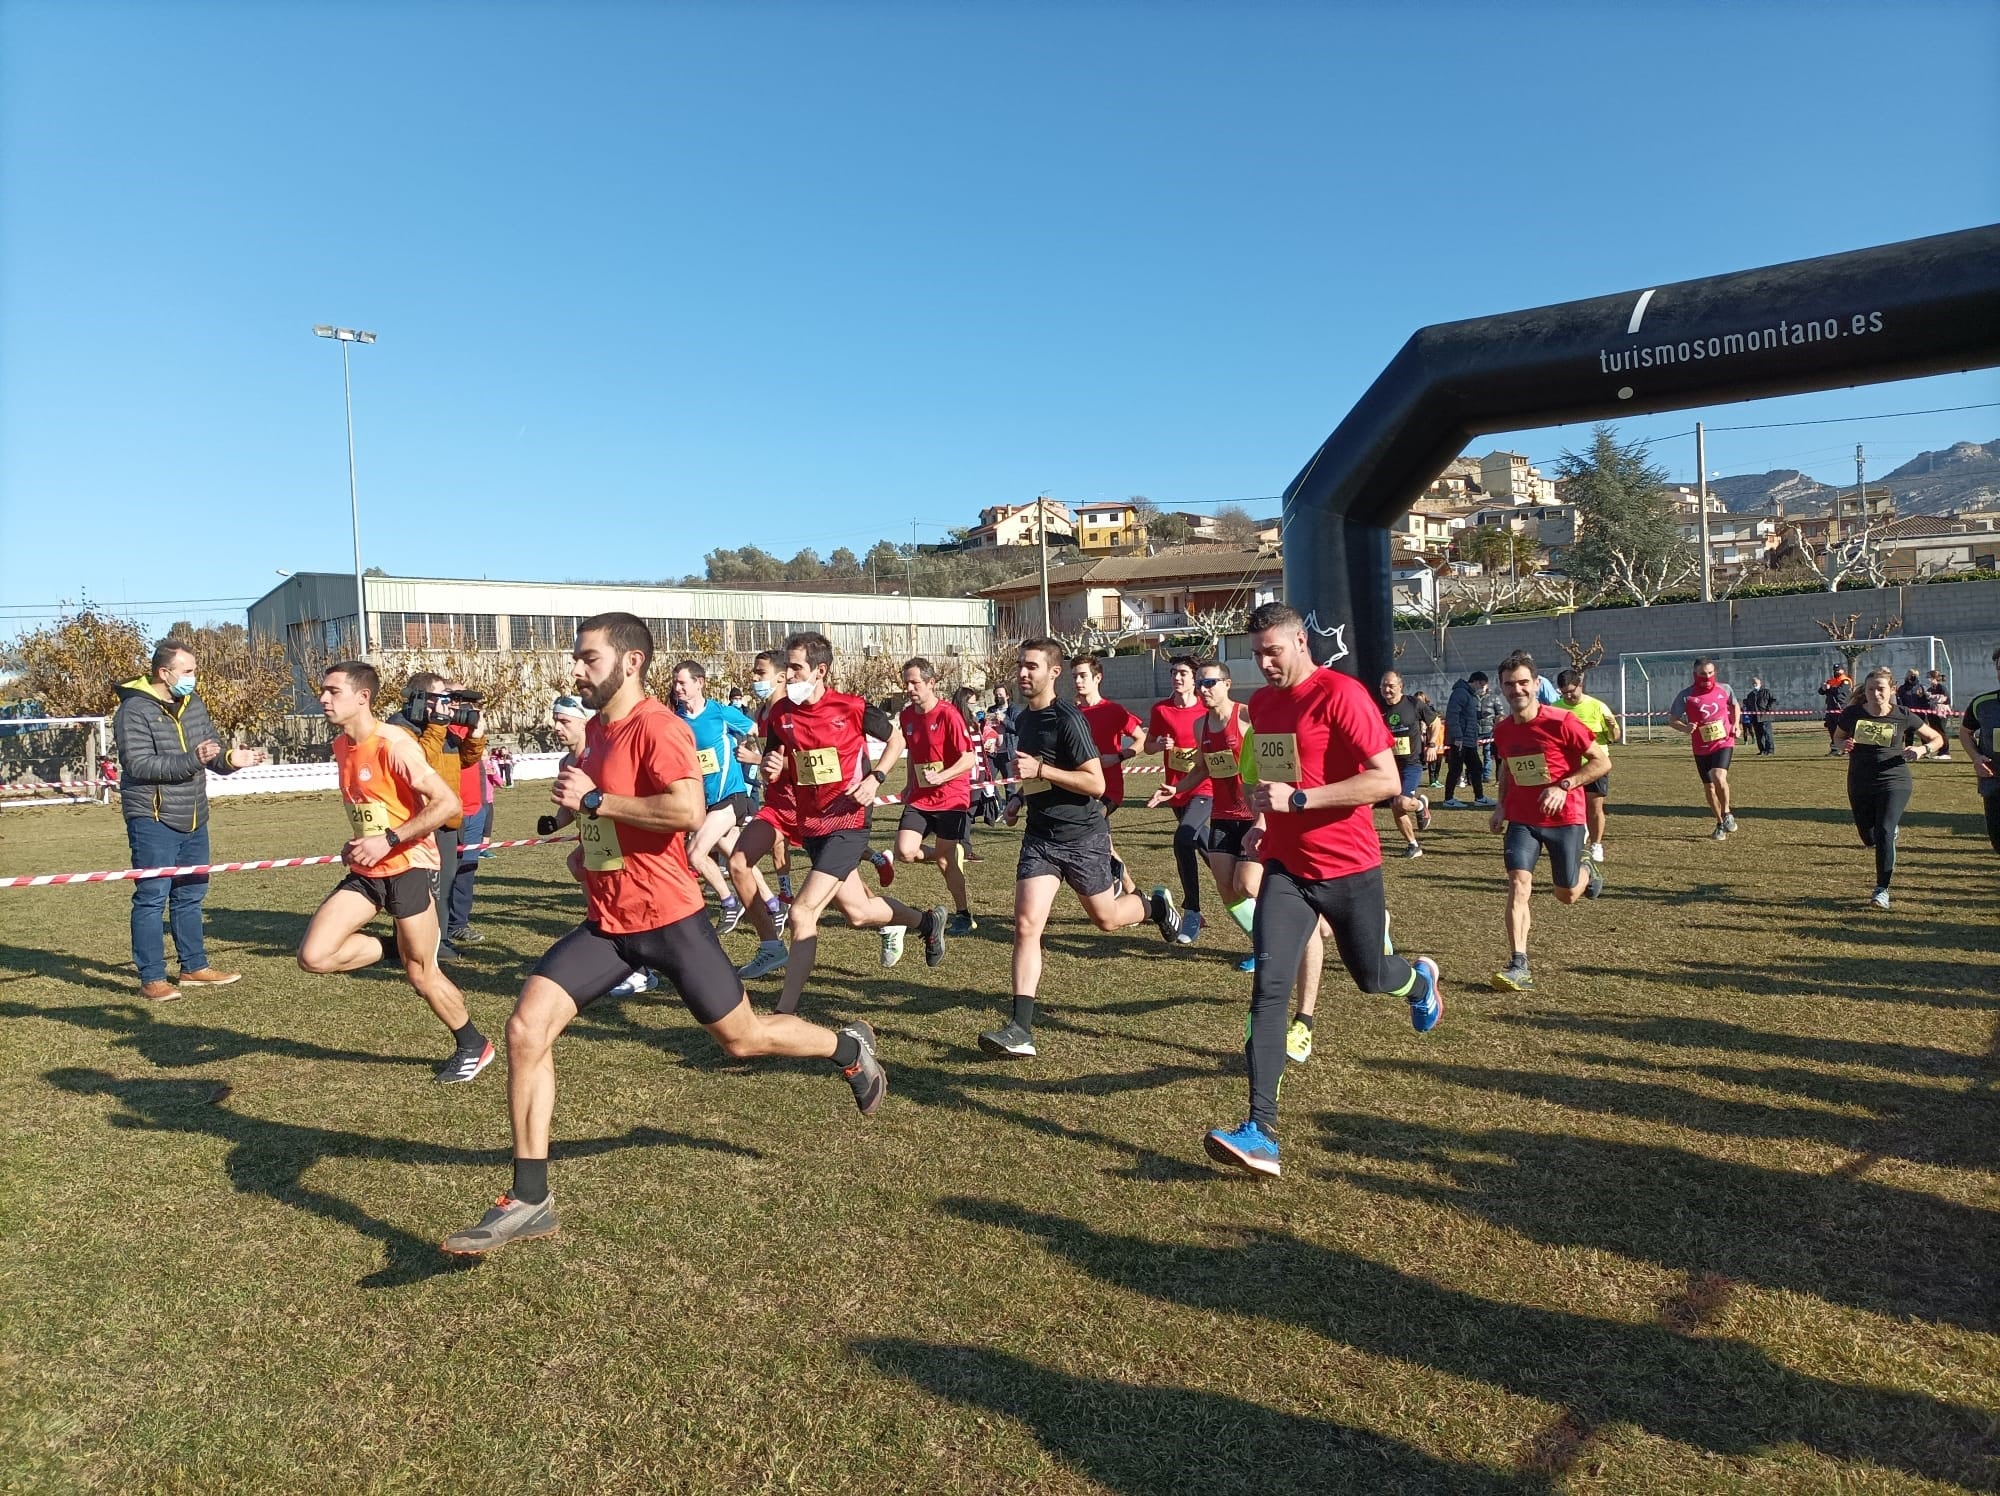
(46, 880)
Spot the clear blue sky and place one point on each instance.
(651, 279)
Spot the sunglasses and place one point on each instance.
(1209, 684)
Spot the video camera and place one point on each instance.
(464, 710)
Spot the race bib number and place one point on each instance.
(1181, 760)
(1403, 748)
(368, 817)
(1528, 769)
(1875, 734)
(1713, 732)
(1221, 764)
(1033, 787)
(601, 852)
(927, 773)
(709, 763)
(816, 765)
(1278, 757)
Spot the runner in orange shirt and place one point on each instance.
(635, 793)
(395, 800)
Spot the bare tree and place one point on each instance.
(1562, 592)
(1856, 559)
(1210, 625)
(1584, 656)
(1646, 581)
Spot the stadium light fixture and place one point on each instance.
(345, 336)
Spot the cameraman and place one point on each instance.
(446, 722)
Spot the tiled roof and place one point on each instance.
(1190, 564)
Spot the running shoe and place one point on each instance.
(1423, 813)
(1484, 802)
(771, 956)
(1011, 1042)
(934, 942)
(1248, 963)
(892, 945)
(640, 981)
(1165, 915)
(1720, 833)
(782, 917)
(1190, 928)
(885, 867)
(784, 888)
(961, 923)
(1597, 851)
(1514, 978)
(1411, 849)
(508, 1220)
(1247, 1147)
(731, 916)
(1427, 1007)
(464, 935)
(1880, 898)
(1299, 1042)
(865, 1075)
(1596, 885)
(1456, 804)
(464, 1065)
(1729, 823)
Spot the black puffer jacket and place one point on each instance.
(160, 777)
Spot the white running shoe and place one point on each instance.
(892, 945)
(1880, 899)
(1597, 851)
(641, 980)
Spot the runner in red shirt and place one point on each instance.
(395, 800)
(937, 800)
(635, 794)
(1323, 758)
(1117, 734)
(768, 912)
(1708, 713)
(1173, 731)
(1543, 757)
(1225, 729)
(816, 756)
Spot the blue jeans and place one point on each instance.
(459, 903)
(156, 844)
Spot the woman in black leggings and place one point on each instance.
(1881, 741)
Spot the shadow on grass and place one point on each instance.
(1709, 1033)
(65, 966)
(1965, 822)
(272, 1158)
(1921, 1123)
(1935, 984)
(1148, 1439)
(1890, 1251)
(173, 1045)
(1707, 1393)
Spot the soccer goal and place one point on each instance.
(1793, 673)
(55, 761)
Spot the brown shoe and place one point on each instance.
(159, 992)
(208, 976)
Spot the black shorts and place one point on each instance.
(1706, 764)
(945, 825)
(741, 811)
(402, 895)
(838, 853)
(1599, 787)
(1226, 837)
(587, 963)
(1523, 849)
(1084, 864)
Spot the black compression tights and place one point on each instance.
(1877, 811)
(1190, 838)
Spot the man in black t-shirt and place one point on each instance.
(1067, 838)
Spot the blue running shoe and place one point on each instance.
(1247, 1147)
(1426, 1004)
(1248, 963)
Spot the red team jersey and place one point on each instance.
(1222, 757)
(1185, 775)
(1110, 724)
(1321, 731)
(825, 744)
(936, 741)
(636, 880)
(1536, 755)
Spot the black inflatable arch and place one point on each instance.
(1925, 306)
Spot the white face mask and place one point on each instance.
(800, 691)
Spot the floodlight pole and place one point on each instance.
(344, 336)
(1701, 491)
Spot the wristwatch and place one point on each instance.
(1298, 799)
(880, 776)
(591, 801)
(391, 838)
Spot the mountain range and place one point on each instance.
(1964, 475)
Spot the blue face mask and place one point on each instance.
(183, 687)
(760, 688)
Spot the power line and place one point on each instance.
(1887, 415)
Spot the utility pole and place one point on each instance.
(910, 586)
(1042, 535)
(1861, 494)
(1701, 499)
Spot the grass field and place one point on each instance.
(1714, 1210)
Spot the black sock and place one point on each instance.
(925, 926)
(531, 1180)
(1024, 1011)
(470, 1040)
(1520, 958)
(846, 1049)
(967, 913)
(1306, 1019)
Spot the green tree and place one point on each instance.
(804, 567)
(1499, 548)
(1628, 535)
(844, 564)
